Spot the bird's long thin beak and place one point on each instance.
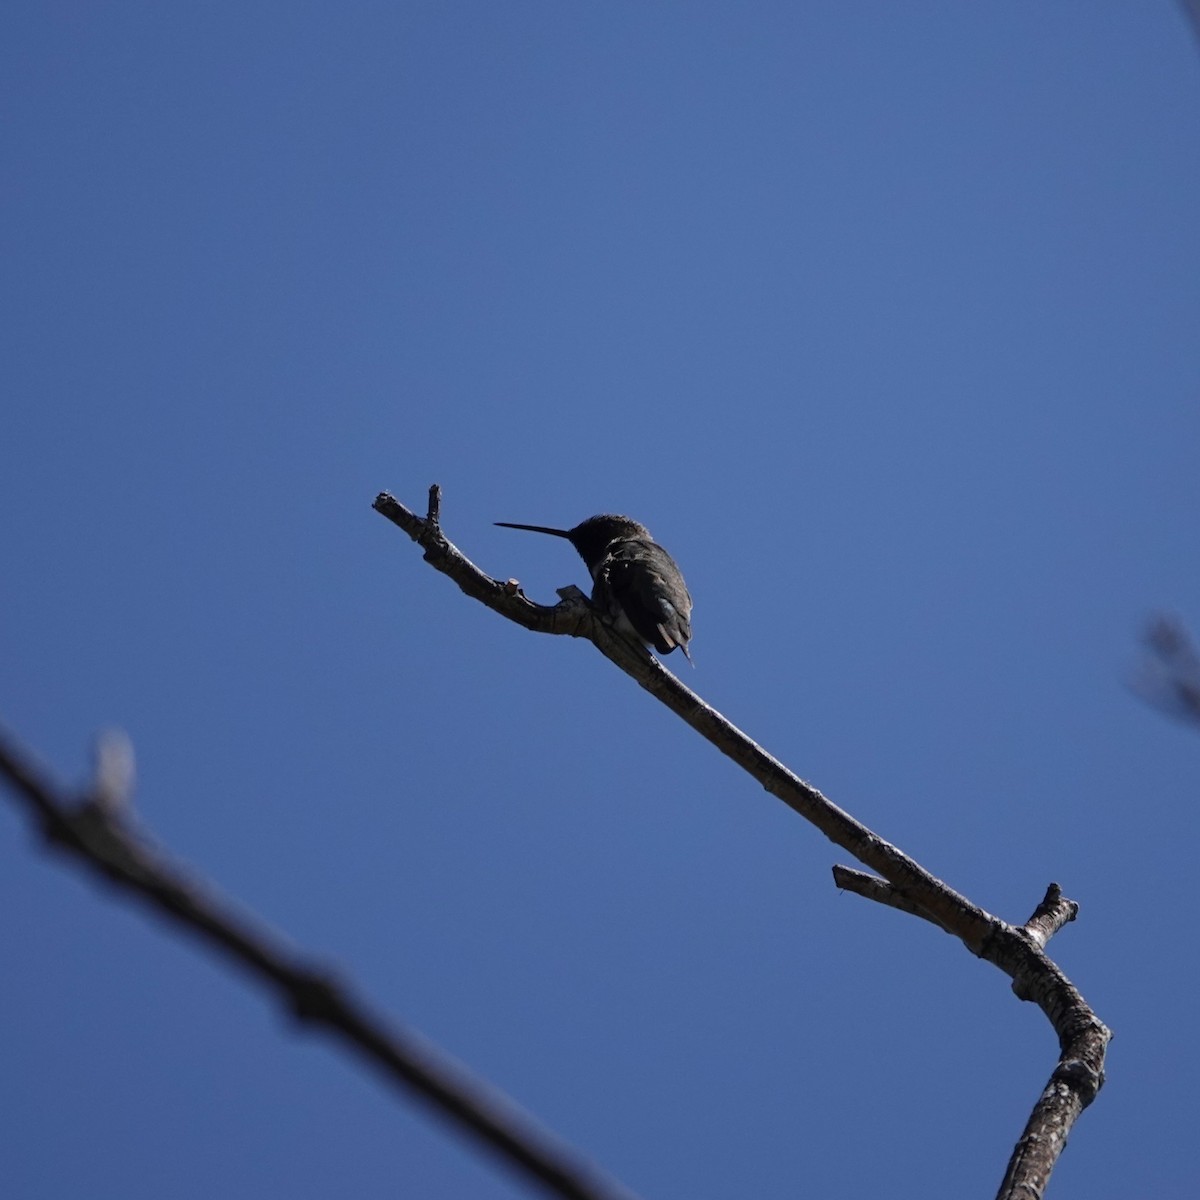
(536, 529)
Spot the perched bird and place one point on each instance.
(634, 580)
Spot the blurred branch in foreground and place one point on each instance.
(1169, 677)
(98, 829)
(899, 881)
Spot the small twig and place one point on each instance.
(1018, 951)
(99, 832)
(871, 887)
(1050, 916)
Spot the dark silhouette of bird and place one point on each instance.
(635, 581)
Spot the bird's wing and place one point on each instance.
(643, 580)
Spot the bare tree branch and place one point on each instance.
(98, 830)
(1191, 10)
(1017, 950)
(1169, 677)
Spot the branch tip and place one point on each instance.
(1050, 916)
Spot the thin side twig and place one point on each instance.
(871, 887)
(1050, 916)
(98, 831)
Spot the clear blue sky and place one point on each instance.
(886, 320)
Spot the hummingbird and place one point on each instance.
(634, 580)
